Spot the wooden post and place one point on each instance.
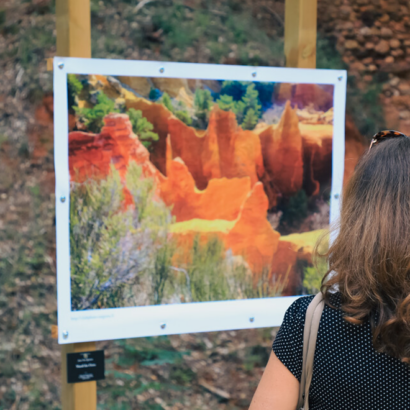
(73, 20)
(77, 396)
(300, 33)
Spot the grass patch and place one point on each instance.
(33, 43)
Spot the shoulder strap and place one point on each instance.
(313, 315)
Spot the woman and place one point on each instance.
(363, 346)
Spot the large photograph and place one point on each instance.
(185, 190)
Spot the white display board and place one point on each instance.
(189, 196)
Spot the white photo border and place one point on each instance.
(140, 321)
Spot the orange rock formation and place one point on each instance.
(284, 269)
(317, 156)
(239, 151)
(91, 155)
(252, 236)
(282, 155)
(293, 252)
(223, 150)
(158, 116)
(222, 199)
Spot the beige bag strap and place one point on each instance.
(313, 315)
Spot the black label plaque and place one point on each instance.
(85, 366)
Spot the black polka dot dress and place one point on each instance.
(348, 373)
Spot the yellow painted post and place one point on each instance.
(300, 33)
(77, 396)
(73, 21)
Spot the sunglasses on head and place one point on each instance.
(384, 135)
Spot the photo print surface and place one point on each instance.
(192, 190)
(189, 197)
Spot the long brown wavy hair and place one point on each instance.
(369, 261)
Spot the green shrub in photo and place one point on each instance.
(183, 116)
(251, 101)
(215, 274)
(203, 103)
(166, 101)
(177, 108)
(142, 128)
(207, 281)
(226, 103)
(296, 210)
(74, 87)
(235, 89)
(248, 109)
(250, 120)
(112, 248)
(313, 275)
(93, 117)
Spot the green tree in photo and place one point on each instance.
(183, 116)
(203, 103)
(235, 89)
(177, 108)
(74, 87)
(93, 117)
(166, 101)
(142, 128)
(226, 103)
(296, 210)
(265, 92)
(248, 110)
(250, 120)
(251, 100)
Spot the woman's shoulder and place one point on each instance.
(297, 310)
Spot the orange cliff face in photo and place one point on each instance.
(91, 155)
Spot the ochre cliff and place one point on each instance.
(282, 154)
(91, 155)
(221, 199)
(239, 151)
(252, 236)
(317, 155)
(285, 157)
(293, 252)
(249, 236)
(158, 116)
(223, 150)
